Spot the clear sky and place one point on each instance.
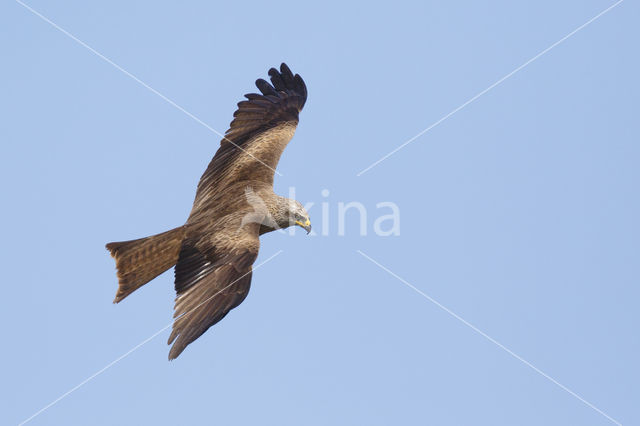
(519, 213)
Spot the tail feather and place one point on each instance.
(139, 261)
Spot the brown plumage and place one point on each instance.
(213, 252)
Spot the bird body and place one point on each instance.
(213, 252)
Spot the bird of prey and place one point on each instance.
(214, 250)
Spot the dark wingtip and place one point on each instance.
(265, 87)
(302, 87)
(284, 68)
(284, 80)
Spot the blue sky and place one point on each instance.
(519, 213)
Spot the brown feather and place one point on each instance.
(214, 251)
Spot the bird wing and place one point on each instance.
(261, 128)
(212, 276)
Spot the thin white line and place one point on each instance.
(486, 336)
(127, 73)
(489, 88)
(130, 351)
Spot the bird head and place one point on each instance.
(299, 216)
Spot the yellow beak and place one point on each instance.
(306, 225)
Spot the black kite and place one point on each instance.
(214, 250)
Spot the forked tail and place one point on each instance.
(139, 261)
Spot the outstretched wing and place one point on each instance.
(212, 277)
(262, 127)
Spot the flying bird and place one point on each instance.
(213, 252)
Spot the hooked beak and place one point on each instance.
(306, 225)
